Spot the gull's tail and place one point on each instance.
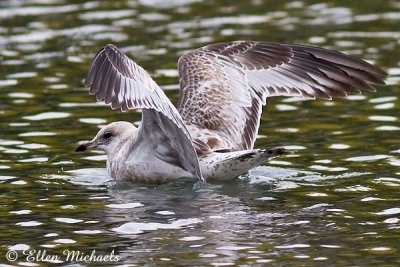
(226, 166)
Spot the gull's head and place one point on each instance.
(111, 137)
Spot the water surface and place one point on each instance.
(334, 202)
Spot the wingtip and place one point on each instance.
(278, 151)
(381, 73)
(197, 172)
(111, 46)
(86, 83)
(201, 178)
(381, 80)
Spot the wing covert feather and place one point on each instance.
(223, 86)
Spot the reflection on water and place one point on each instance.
(333, 202)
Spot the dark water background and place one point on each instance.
(335, 202)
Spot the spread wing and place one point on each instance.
(223, 86)
(119, 81)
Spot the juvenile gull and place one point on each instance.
(223, 87)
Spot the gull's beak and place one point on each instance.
(83, 146)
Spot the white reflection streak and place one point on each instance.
(355, 34)
(29, 11)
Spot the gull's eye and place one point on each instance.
(107, 135)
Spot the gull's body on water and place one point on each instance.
(223, 87)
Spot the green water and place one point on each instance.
(334, 202)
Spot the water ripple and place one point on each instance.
(39, 10)
(106, 14)
(368, 158)
(67, 220)
(139, 228)
(390, 211)
(47, 116)
(125, 205)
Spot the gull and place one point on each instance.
(223, 87)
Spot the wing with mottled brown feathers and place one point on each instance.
(223, 86)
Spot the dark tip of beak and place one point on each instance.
(81, 147)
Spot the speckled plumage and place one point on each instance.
(222, 90)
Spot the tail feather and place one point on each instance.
(266, 152)
(225, 166)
